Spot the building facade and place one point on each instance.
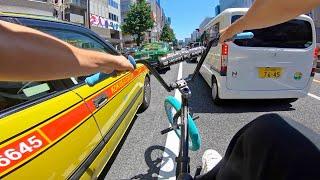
(105, 20)
(195, 36)
(128, 40)
(37, 7)
(77, 12)
(187, 40)
(153, 34)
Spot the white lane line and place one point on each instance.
(168, 170)
(314, 96)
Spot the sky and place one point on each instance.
(186, 15)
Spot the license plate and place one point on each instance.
(270, 72)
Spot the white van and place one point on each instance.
(278, 63)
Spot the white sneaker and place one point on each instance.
(210, 159)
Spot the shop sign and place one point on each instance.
(102, 22)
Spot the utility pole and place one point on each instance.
(88, 14)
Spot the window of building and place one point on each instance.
(113, 3)
(113, 17)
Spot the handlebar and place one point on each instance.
(94, 79)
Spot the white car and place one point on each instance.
(278, 63)
(185, 54)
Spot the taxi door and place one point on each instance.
(113, 102)
(46, 130)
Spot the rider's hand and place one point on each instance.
(117, 63)
(228, 33)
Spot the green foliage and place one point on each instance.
(167, 34)
(138, 20)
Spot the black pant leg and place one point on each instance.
(270, 147)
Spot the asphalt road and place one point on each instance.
(140, 155)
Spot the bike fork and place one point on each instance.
(183, 158)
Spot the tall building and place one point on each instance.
(187, 40)
(217, 10)
(225, 4)
(128, 41)
(105, 18)
(38, 7)
(168, 20)
(156, 12)
(195, 36)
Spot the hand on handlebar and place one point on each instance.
(117, 64)
(121, 63)
(226, 35)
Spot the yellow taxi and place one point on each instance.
(64, 129)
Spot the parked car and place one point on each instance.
(155, 53)
(64, 129)
(277, 63)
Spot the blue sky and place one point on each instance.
(186, 15)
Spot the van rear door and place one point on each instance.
(277, 58)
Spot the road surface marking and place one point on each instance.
(316, 81)
(314, 96)
(168, 170)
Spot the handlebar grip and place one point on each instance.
(245, 35)
(132, 61)
(94, 79)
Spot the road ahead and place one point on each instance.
(141, 153)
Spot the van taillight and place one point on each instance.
(315, 59)
(224, 59)
(225, 49)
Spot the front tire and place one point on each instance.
(194, 136)
(215, 94)
(146, 95)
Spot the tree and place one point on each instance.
(138, 20)
(167, 34)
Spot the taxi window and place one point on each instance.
(79, 40)
(17, 93)
(76, 39)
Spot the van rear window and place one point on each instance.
(291, 34)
